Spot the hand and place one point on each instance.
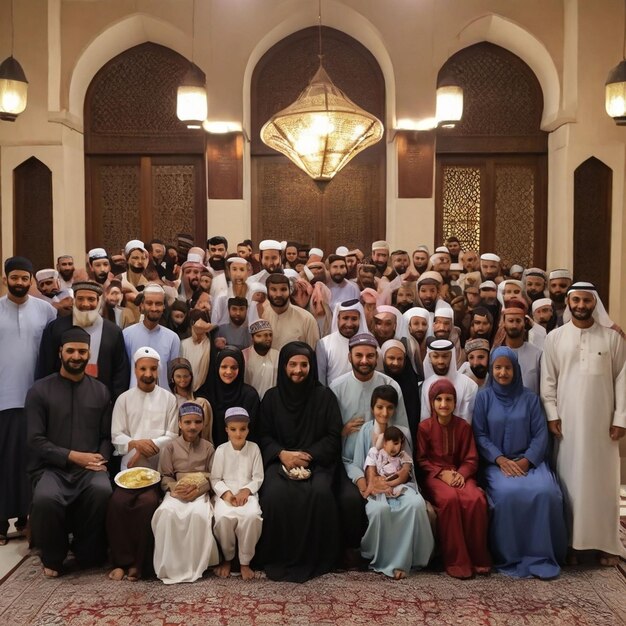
(509, 467)
(294, 458)
(353, 426)
(523, 464)
(146, 447)
(554, 427)
(380, 485)
(185, 492)
(135, 460)
(229, 498)
(619, 330)
(447, 476)
(88, 460)
(616, 432)
(458, 481)
(242, 497)
(410, 276)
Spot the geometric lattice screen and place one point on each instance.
(461, 205)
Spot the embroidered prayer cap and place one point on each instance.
(88, 285)
(488, 284)
(490, 256)
(146, 353)
(432, 276)
(535, 271)
(561, 273)
(190, 408)
(152, 288)
(270, 244)
(516, 269)
(416, 311)
(134, 244)
(236, 414)
(362, 339)
(76, 334)
(342, 251)
(46, 274)
(542, 302)
(380, 245)
(18, 263)
(97, 253)
(259, 326)
(392, 343)
(476, 344)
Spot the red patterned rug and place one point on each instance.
(582, 596)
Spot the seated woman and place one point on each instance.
(448, 461)
(299, 427)
(398, 536)
(527, 535)
(184, 545)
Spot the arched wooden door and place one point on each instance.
(286, 203)
(145, 171)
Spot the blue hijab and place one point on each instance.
(507, 394)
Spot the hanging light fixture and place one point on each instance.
(191, 98)
(615, 87)
(13, 85)
(449, 109)
(323, 129)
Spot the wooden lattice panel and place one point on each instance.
(461, 205)
(172, 200)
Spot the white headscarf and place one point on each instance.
(502, 285)
(401, 325)
(599, 313)
(440, 345)
(339, 308)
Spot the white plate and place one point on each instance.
(155, 477)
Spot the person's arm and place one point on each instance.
(424, 456)
(217, 473)
(486, 448)
(468, 454)
(105, 448)
(322, 363)
(403, 475)
(536, 451)
(618, 353)
(121, 368)
(119, 435)
(48, 353)
(312, 332)
(549, 384)
(166, 468)
(171, 423)
(326, 451)
(256, 476)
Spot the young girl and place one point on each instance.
(184, 546)
(398, 536)
(448, 460)
(180, 378)
(387, 459)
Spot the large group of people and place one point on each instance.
(304, 412)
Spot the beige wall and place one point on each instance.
(570, 44)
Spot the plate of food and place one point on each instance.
(137, 478)
(297, 473)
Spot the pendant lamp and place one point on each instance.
(13, 85)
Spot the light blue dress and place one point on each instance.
(398, 536)
(528, 536)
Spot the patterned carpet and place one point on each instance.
(582, 596)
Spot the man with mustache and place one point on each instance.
(99, 265)
(477, 365)
(217, 251)
(108, 361)
(145, 418)
(69, 436)
(22, 322)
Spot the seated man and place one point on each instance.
(69, 435)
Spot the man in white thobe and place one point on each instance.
(583, 389)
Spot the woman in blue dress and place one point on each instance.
(398, 536)
(527, 534)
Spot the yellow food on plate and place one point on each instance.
(193, 478)
(137, 478)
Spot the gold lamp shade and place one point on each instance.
(322, 130)
(615, 94)
(13, 90)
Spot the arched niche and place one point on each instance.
(145, 171)
(593, 182)
(491, 189)
(350, 210)
(32, 207)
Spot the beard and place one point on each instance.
(136, 269)
(404, 306)
(85, 318)
(558, 298)
(514, 333)
(217, 263)
(101, 278)
(19, 291)
(535, 296)
(278, 301)
(338, 278)
(480, 371)
(74, 366)
(66, 275)
(583, 315)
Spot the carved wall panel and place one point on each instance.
(172, 200)
(32, 206)
(461, 197)
(593, 182)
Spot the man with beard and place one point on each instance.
(380, 260)
(490, 267)
(583, 389)
(454, 248)
(22, 322)
(341, 289)
(444, 328)
(528, 355)
(489, 299)
(236, 330)
(107, 356)
(421, 258)
(288, 322)
(471, 261)
(366, 277)
(400, 261)
(477, 365)
(534, 282)
(428, 286)
(48, 283)
(388, 323)
(440, 362)
(150, 333)
(353, 258)
(481, 324)
(404, 297)
(156, 253)
(271, 261)
(145, 418)
(239, 271)
(417, 320)
(66, 269)
(133, 281)
(99, 265)
(559, 282)
(69, 436)
(261, 359)
(191, 270)
(544, 313)
(217, 251)
(332, 350)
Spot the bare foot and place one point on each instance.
(247, 573)
(117, 573)
(399, 574)
(133, 575)
(223, 570)
(483, 571)
(50, 573)
(608, 560)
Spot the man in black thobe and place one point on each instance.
(69, 437)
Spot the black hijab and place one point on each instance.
(295, 396)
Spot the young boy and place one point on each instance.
(236, 477)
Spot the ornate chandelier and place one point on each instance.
(323, 129)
